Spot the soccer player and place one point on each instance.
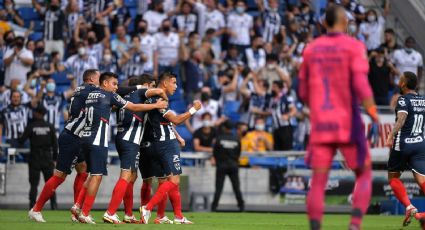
(333, 81)
(128, 138)
(407, 142)
(69, 147)
(167, 151)
(94, 136)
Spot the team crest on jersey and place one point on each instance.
(401, 102)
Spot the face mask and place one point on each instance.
(39, 50)
(260, 127)
(205, 97)
(54, 7)
(166, 29)
(207, 123)
(352, 28)
(371, 18)
(107, 57)
(82, 51)
(142, 30)
(240, 10)
(33, 83)
(50, 87)
(20, 88)
(91, 40)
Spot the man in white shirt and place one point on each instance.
(155, 17)
(239, 25)
(408, 59)
(168, 47)
(148, 46)
(17, 62)
(78, 63)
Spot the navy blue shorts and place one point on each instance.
(96, 157)
(128, 153)
(149, 165)
(69, 152)
(412, 157)
(167, 153)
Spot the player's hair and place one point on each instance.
(331, 15)
(146, 78)
(165, 76)
(106, 76)
(411, 80)
(89, 73)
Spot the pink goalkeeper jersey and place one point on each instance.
(333, 81)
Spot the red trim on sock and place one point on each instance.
(117, 196)
(88, 204)
(128, 199)
(47, 192)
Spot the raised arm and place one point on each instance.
(178, 119)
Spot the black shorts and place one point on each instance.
(149, 165)
(167, 153)
(69, 152)
(96, 157)
(128, 153)
(412, 157)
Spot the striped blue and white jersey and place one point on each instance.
(130, 124)
(98, 110)
(76, 113)
(162, 129)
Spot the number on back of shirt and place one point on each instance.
(418, 124)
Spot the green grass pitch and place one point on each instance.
(60, 220)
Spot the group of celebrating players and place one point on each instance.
(145, 140)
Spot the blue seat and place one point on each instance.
(35, 36)
(178, 106)
(130, 3)
(28, 13)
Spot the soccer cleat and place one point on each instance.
(36, 216)
(75, 212)
(144, 215)
(131, 220)
(183, 220)
(411, 212)
(112, 219)
(85, 219)
(163, 220)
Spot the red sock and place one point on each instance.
(128, 199)
(80, 178)
(145, 193)
(88, 204)
(400, 191)
(160, 212)
(176, 201)
(315, 199)
(81, 196)
(117, 196)
(160, 194)
(361, 196)
(48, 190)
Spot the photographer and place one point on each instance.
(17, 62)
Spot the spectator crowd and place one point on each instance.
(240, 58)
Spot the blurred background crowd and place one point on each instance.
(239, 57)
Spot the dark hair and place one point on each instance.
(165, 76)
(331, 15)
(106, 76)
(88, 73)
(279, 83)
(146, 78)
(390, 31)
(411, 80)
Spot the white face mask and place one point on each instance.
(260, 127)
(82, 51)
